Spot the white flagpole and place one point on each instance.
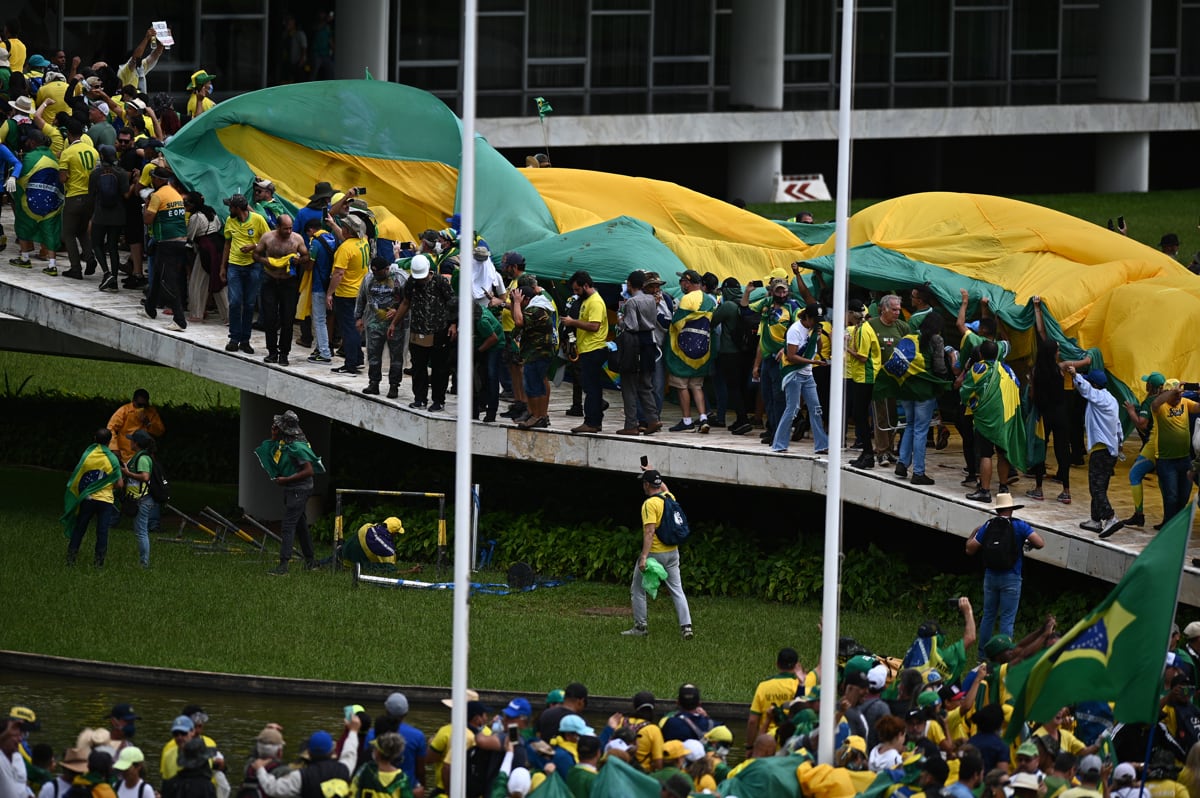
(833, 481)
(462, 458)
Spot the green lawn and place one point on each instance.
(1147, 215)
(70, 376)
(221, 612)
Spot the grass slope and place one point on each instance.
(220, 612)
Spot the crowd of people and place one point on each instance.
(933, 723)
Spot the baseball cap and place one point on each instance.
(719, 734)
(124, 711)
(183, 724)
(1154, 379)
(674, 749)
(573, 724)
(1090, 765)
(130, 755)
(691, 275)
(263, 183)
(517, 708)
(877, 677)
(319, 744)
(396, 705)
(236, 201)
(652, 477)
(928, 698)
(26, 716)
(482, 253)
(477, 708)
(1097, 377)
(997, 645)
(1029, 749)
(554, 697)
(1024, 781)
(1192, 629)
(1124, 772)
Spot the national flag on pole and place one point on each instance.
(95, 471)
(1116, 652)
(906, 374)
(991, 393)
(544, 108)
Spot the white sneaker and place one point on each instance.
(173, 326)
(636, 631)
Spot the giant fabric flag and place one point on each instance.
(989, 390)
(906, 374)
(96, 470)
(1116, 652)
(618, 777)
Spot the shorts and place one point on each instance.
(683, 383)
(985, 448)
(534, 377)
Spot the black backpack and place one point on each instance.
(745, 333)
(673, 529)
(158, 487)
(999, 545)
(109, 188)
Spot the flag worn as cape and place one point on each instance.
(96, 470)
(1114, 653)
(689, 343)
(990, 391)
(906, 374)
(281, 459)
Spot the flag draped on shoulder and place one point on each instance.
(992, 394)
(690, 344)
(282, 459)
(96, 470)
(1117, 650)
(906, 374)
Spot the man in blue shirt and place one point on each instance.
(321, 245)
(1002, 586)
(970, 774)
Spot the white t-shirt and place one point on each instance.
(48, 790)
(882, 760)
(139, 790)
(797, 335)
(14, 783)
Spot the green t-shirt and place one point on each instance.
(486, 326)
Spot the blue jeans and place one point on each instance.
(147, 509)
(89, 509)
(1173, 484)
(320, 324)
(673, 585)
(1001, 597)
(771, 385)
(343, 309)
(800, 389)
(243, 295)
(918, 416)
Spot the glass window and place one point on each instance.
(430, 78)
(232, 50)
(427, 32)
(685, 73)
(547, 76)
(1035, 24)
(807, 99)
(1189, 91)
(680, 102)
(620, 5)
(873, 49)
(557, 28)
(1034, 94)
(1077, 92)
(806, 71)
(1189, 55)
(501, 5)
(94, 41)
(808, 27)
(980, 45)
(923, 26)
(501, 55)
(235, 7)
(870, 97)
(492, 105)
(724, 25)
(1162, 92)
(979, 95)
(1035, 66)
(1079, 42)
(626, 103)
(682, 27)
(620, 45)
(94, 8)
(921, 96)
(1164, 16)
(923, 68)
(1162, 65)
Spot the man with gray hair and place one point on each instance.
(268, 746)
(889, 328)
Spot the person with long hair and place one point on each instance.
(204, 274)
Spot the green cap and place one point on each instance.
(928, 698)
(1028, 749)
(859, 663)
(1154, 379)
(554, 697)
(998, 645)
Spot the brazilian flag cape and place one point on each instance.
(282, 459)
(990, 392)
(40, 193)
(96, 470)
(906, 374)
(690, 343)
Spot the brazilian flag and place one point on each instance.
(991, 393)
(281, 458)
(1115, 651)
(690, 344)
(906, 374)
(96, 470)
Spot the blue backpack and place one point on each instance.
(673, 529)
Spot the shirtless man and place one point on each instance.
(284, 257)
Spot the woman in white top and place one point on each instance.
(889, 753)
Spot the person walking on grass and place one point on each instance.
(291, 463)
(90, 495)
(665, 555)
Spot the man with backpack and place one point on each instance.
(1002, 541)
(664, 527)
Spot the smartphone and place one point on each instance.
(645, 461)
(514, 733)
(360, 190)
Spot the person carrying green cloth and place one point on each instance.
(291, 463)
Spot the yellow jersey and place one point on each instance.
(78, 160)
(242, 234)
(352, 257)
(592, 309)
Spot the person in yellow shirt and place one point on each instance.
(243, 230)
(773, 692)
(199, 87)
(864, 359)
(75, 167)
(350, 263)
(90, 495)
(664, 555)
(54, 90)
(1172, 411)
(591, 342)
(16, 48)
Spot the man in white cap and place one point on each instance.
(1002, 540)
(429, 303)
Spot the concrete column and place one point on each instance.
(756, 83)
(1123, 159)
(363, 29)
(257, 495)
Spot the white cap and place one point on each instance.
(1124, 772)
(420, 267)
(695, 750)
(877, 677)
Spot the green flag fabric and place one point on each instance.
(906, 374)
(97, 469)
(992, 394)
(544, 108)
(280, 458)
(617, 777)
(1116, 651)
